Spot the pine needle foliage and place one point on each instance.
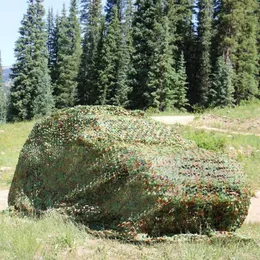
(222, 92)
(93, 28)
(3, 98)
(31, 92)
(205, 19)
(68, 57)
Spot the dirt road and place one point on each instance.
(171, 120)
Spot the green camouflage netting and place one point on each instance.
(111, 168)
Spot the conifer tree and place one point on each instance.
(181, 85)
(31, 93)
(236, 38)
(93, 27)
(186, 42)
(222, 88)
(153, 59)
(52, 42)
(68, 57)
(162, 77)
(108, 73)
(205, 20)
(3, 103)
(110, 4)
(122, 89)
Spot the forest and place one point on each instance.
(160, 55)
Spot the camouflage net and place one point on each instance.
(110, 168)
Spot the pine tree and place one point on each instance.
(52, 42)
(162, 77)
(222, 87)
(122, 89)
(92, 44)
(236, 37)
(108, 74)
(181, 85)
(153, 59)
(3, 101)
(205, 20)
(186, 42)
(110, 4)
(31, 93)
(68, 57)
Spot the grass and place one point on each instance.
(46, 238)
(12, 138)
(174, 112)
(53, 237)
(247, 110)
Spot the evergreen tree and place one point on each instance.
(52, 42)
(181, 85)
(222, 87)
(108, 74)
(92, 44)
(236, 38)
(205, 20)
(186, 42)
(154, 75)
(31, 91)
(68, 57)
(109, 9)
(162, 77)
(3, 103)
(122, 89)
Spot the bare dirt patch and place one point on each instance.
(3, 199)
(170, 120)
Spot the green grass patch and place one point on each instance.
(175, 112)
(23, 238)
(53, 237)
(12, 138)
(209, 141)
(247, 110)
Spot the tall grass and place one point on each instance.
(53, 237)
(23, 238)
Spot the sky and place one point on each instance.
(11, 14)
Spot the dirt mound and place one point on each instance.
(110, 168)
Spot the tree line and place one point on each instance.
(142, 54)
